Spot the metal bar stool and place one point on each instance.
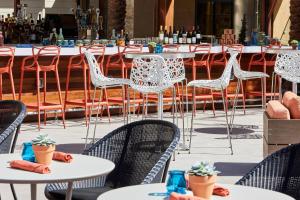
(101, 82)
(201, 60)
(78, 63)
(7, 55)
(218, 84)
(45, 60)
(265, 59)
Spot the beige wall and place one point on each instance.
(281, 17)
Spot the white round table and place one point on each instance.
(157, 191)
(82, 167)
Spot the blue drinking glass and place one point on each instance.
(176, 182)
(158, 48)
(27, 153)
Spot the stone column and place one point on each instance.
(129, 19)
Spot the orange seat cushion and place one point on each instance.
(292, 102)
(276, 110)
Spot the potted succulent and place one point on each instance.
(202, 178)
(294, 44)
(151, 47)
(43, 148)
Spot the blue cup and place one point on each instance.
(71, 43)
(27, 153)
(158, 48)
(176, 182)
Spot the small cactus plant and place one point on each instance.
(43, 140)
(203, 169)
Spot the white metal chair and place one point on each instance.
(101, 82)
(220, 85)
(242, 76)
(148, 75)
(287, 67)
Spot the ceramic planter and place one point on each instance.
(202, 186)
(43, 154)
(295, 46)
(151, 49)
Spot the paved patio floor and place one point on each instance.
(209, 144)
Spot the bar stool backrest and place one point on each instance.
(148, 74)
(272, 50)
(225, 78)
(287, 63)
(7, 55)
(171, 48)
(99, 52)
(202, 51)
(47, 56)
(137, 48)
(95, 71)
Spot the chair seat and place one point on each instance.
(209, 84)
(79, 194)
(246, 75)
(111, 82)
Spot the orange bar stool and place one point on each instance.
(78, 63)
(265, 61)
(222, 60)
(201, 60)
(171, 48)
(44, 61)
(7, 55)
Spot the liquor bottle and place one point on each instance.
(180, 37)
(194, 37)
(1, 39)
(161, 34)
(53, 37)
(184, 36)
(60, 36)
(127, 39)
(189, 38)
(175, 36)
(198, 35)
(171, 40)
(166, 36)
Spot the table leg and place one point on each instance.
(160, 106)
(33, 191)
(69, 191)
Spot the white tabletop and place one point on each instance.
(114, 50)
(147, 192)
(82, 167)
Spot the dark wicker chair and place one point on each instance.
(141, 152)
(12, 114)
(278, 172)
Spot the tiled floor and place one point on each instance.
(209, 144)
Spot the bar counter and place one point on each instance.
(76, 82)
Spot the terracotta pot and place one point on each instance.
(202, 186)
(43, 154)
(294, 46)
(151, 49)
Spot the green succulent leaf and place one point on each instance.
(43, 140)
(203, 169)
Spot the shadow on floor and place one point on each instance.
(216, 130)
(234, 169)
(71, 148)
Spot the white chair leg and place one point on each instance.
(227, 122)
(97, 116)
(192, 121)
(91, 110)
(237, 91)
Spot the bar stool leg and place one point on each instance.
(227, 122)
(60, 98)
(21, 84)
(12, 84)
(1, 84)
(67, 88)
(44, 97)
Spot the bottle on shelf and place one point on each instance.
(184, 36)
(171, 39)
(1, 39)
(189, 38)
(194, 37)
(175, 36)
(161, 34)
(166, 36)
(180, 37)
(53, 37)
(198, 35)
(60, 36)
(127, 39)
